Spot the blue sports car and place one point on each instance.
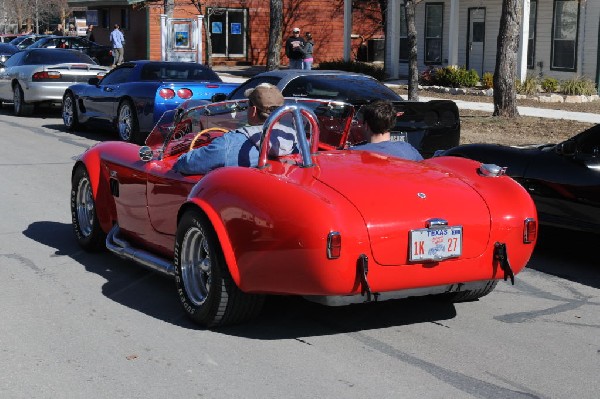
(133, 96)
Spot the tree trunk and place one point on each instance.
(276, 22)
(413, 69)
(505, 95)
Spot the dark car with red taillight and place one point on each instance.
(134, 95)
(101, 54)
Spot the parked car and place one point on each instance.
(7, 37)
(6, 51)
(334, 226)
(134, 95)
(24, 41)
(99, 53)
(563, 179)
(428, 126)
(35, 76)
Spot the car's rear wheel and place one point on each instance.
(206, 289)
(127, 123)
(83, 213)
(471, 295)
(20, 107)
(69, 112)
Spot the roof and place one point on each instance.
(87, 3)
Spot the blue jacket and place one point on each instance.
(235, 148)
(398, 149)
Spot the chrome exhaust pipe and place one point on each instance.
(125, 250)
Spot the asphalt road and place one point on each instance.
(79, 325)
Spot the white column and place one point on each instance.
(163, 37)
(200, 41)
(347, 29)
(523, 42)
(392, 65)
(453, 33)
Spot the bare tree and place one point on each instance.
(275, 25)
(505, 95)
(413, 68)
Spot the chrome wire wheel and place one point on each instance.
(67, 111)
(85, 209)
(125, 124)
(196, 268)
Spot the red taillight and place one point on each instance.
(46, 75)
(184, 93)
(334, 245)
(529, 230)
(167, 94)
(212, 86)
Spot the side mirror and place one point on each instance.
(218, 97)
(146, 153)
(94, 81)
(567, 148)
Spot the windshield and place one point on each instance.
(177, 129)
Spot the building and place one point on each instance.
(559, 38)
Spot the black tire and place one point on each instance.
(207, 292)
(20, 107)
(127, 123)
(69, 112)
(83, 213)
(471, 295)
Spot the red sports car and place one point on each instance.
(336, 226)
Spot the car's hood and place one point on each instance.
(395, 196)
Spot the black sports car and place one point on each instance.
(563, 179)
(99, 53)
(428, 126)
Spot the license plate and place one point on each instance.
(435, 244)
(398, 136)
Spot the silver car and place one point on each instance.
(41, 76)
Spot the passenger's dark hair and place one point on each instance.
(380, 116)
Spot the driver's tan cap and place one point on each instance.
(265, 96)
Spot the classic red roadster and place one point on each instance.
(333, 225)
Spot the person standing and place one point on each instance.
(118, 43)
(309, 45)
(58, 31)
(294, 49)
(89, 33)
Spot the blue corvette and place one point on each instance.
(133, 96)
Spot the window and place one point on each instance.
(403, 36)
(532, 32)
(104, 18)
(124, 18)
(434, 28)
(564, 35)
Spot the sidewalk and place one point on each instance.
(239, 74)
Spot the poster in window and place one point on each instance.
(217, 27)
(236, 28)
(182, 35)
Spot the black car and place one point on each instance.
(24, 41)
(99, 53)
(563, 179)
(6, 51)
(428, 126)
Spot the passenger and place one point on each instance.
(380, 118)
(240, 147)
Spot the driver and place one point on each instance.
(241, 147)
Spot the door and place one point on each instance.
(101, 101)
(228, 32)
(476, 40)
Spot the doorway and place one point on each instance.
(476, 40)
(228, 32)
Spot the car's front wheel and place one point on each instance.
(69, 112)
(83, 213)
(206, 289)
(127, 123)
(20, 107)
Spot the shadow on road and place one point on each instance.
(282, 317)
(570, 255)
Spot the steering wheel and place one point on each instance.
(197, 136)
